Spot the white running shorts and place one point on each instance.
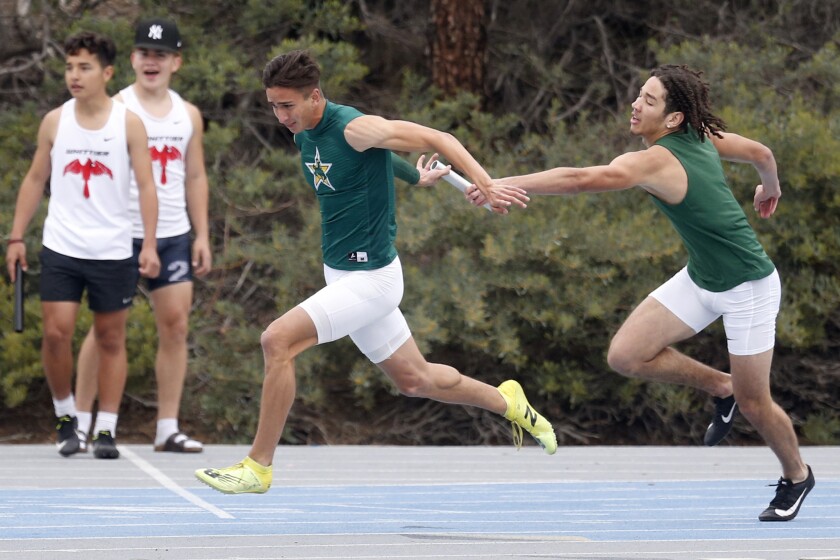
(363, 304)
(749, 310)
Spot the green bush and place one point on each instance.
(536, 295)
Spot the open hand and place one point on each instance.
(429, 176)
(504, 196)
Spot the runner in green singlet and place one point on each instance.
(346, 158)
(728, 273)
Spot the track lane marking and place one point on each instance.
(171, 485)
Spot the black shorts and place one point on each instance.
(175, 261)
(110, 283)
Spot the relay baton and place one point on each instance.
(18, 318)
(456, 181)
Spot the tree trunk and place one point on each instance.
(459, 45)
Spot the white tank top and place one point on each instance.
(168, 140)
(88, 215)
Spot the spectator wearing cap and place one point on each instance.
(175, 132)
(157, 34)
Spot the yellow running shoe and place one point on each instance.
(522, 415)
(247, 476)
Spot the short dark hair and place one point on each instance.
(689, 94)
(296, 70)
(94, 43)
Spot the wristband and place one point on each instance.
(10, 241)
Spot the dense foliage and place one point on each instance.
(536, 295)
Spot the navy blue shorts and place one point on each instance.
(175, 261)
(110, 284)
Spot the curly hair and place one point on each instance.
(689, 94)
(100, 46)
(295, 70)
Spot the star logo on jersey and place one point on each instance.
(319, 171)
(86, 170)
(163, 156)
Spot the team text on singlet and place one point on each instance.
(88, 216)
(169, 137)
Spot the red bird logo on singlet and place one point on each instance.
(164, 155)
(86, 170)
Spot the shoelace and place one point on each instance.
(517, 435)
(783, 489)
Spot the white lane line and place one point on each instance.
(170, 484)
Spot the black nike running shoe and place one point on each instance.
(725, 411)
(789, 498)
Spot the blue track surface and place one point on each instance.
(590, 511)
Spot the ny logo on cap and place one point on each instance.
(156, 32)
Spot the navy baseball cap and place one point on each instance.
(157, 33)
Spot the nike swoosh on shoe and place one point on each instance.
(789, 512)
(728, 418)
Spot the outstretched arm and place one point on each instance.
(562, 181)
(733, 147)
(371, 131)
(655, 169)
(572, 180)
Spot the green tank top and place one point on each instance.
(355, 192)
(723, 250)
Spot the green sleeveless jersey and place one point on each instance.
(723, 250)
(355, 192)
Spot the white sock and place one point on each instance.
(65, 407)
(84, 421)
(165, 428)
(106, 421)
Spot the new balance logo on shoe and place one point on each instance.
(523, 416)
(247, 476)
(530, 416)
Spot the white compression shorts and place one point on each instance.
(749, 310)
(363, 304)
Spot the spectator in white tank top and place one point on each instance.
(87, 233)
(175, 141)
